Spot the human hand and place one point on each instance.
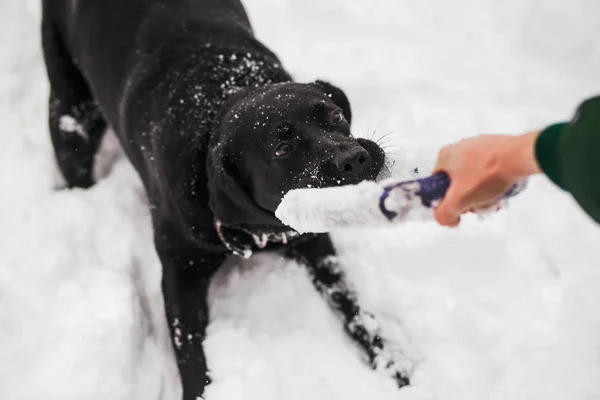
(481, 170)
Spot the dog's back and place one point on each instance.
(108, 39)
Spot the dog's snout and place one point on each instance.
(352, 160)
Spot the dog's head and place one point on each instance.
(282, 137)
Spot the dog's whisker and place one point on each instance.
(370, 135)
(379, 125)
(386, 138)
(387, 151)
(389, 143)
(388, 148)
(390, 138)
(374, 133)
(385, 135)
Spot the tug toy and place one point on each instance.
(367, 204)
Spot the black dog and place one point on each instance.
(217, 131)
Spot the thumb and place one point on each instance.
(448, 212)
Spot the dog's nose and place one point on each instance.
(352, 160)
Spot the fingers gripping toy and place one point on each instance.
(368, 204)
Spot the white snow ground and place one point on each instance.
(506, 308)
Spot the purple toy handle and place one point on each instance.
(431, 189)
(435, 187)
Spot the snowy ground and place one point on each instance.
(506, 308)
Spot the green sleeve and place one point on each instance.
(569, 154)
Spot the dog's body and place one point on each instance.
(193, 98)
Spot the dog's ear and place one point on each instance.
(338, 96)
(228, 197)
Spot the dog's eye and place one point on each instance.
(338, 117)
(283, 150)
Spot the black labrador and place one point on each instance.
(218, 132)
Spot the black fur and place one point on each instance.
(202, 110)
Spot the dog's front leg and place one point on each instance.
(185, 282)
(319, 256)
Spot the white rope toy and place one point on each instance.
(367, 204)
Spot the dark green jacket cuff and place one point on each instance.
(546, 151)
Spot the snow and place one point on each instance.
(504, 308)
(68, 124)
